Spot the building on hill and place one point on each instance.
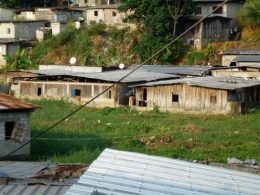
(203, 94)
(240, 57)
(14, 125)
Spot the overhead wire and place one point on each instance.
(152, 56)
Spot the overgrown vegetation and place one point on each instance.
(95, 45)
(83, 136)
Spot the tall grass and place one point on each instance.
(84, 135)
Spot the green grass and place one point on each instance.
(81, 138)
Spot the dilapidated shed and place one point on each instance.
(14, 125)
(83, 87)
(229, 56)
(214, 94)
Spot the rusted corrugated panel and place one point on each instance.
(8, 102)
(32, 190)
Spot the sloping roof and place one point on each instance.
(247, 59)
(241, 52)
(118, 172)
(33, 189)
(227, 83)
(178, 70)
(8, 102)
(110, 6)
(112, 76)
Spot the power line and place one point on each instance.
(167, 45)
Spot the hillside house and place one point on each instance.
(240, 57)
(57, 14)
(109, 14)
(206, 94)
(219, 26)
(8, 47)
(14, 125)
(247, 71)
(24, 14)
(82, 87)
(20, 29)
(6, 14)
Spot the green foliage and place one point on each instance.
(84, 135)
(19, 61)
(149, 45)
(96, 28)
(249, 14)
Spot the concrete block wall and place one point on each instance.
(8, 145)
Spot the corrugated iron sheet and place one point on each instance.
(241, 52)
(247, 59)
(118, 172)
(22, 170)
(8, 102)
(228, 83)
(32, 190)
(178, 70)
(112, 76)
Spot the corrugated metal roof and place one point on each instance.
(241, 52)
(247, 59)
(23, 170)
(228, 83)
(180, 70)
(32, 190)
(8, 102)
(112, 76)
(110, 6)
(118, 172)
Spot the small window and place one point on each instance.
(39, 91)
(218, 11)
(199, 10)
(113, 14)
(213, 99)
(175, 98)
(9, 126)
(8, 31)
(86, 1)
(77, 92)
(95, 13)
(109, 94)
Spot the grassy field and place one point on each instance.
(83, 136)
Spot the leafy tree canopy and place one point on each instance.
(249, 14)
(157, 20)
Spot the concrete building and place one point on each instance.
(20, 29)
(14, 125)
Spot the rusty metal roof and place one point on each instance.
(8, 102)
(227, 83)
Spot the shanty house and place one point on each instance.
(215, 94)
(8, 47)
(20, 29)
(57, 14)
(240, 57)
(14, 125)
(247, 71)
(82, 87)
(109, 14)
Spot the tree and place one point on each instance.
(157, 21)
(249, 14)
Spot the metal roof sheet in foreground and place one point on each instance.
(118, 172)
(227, 83)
